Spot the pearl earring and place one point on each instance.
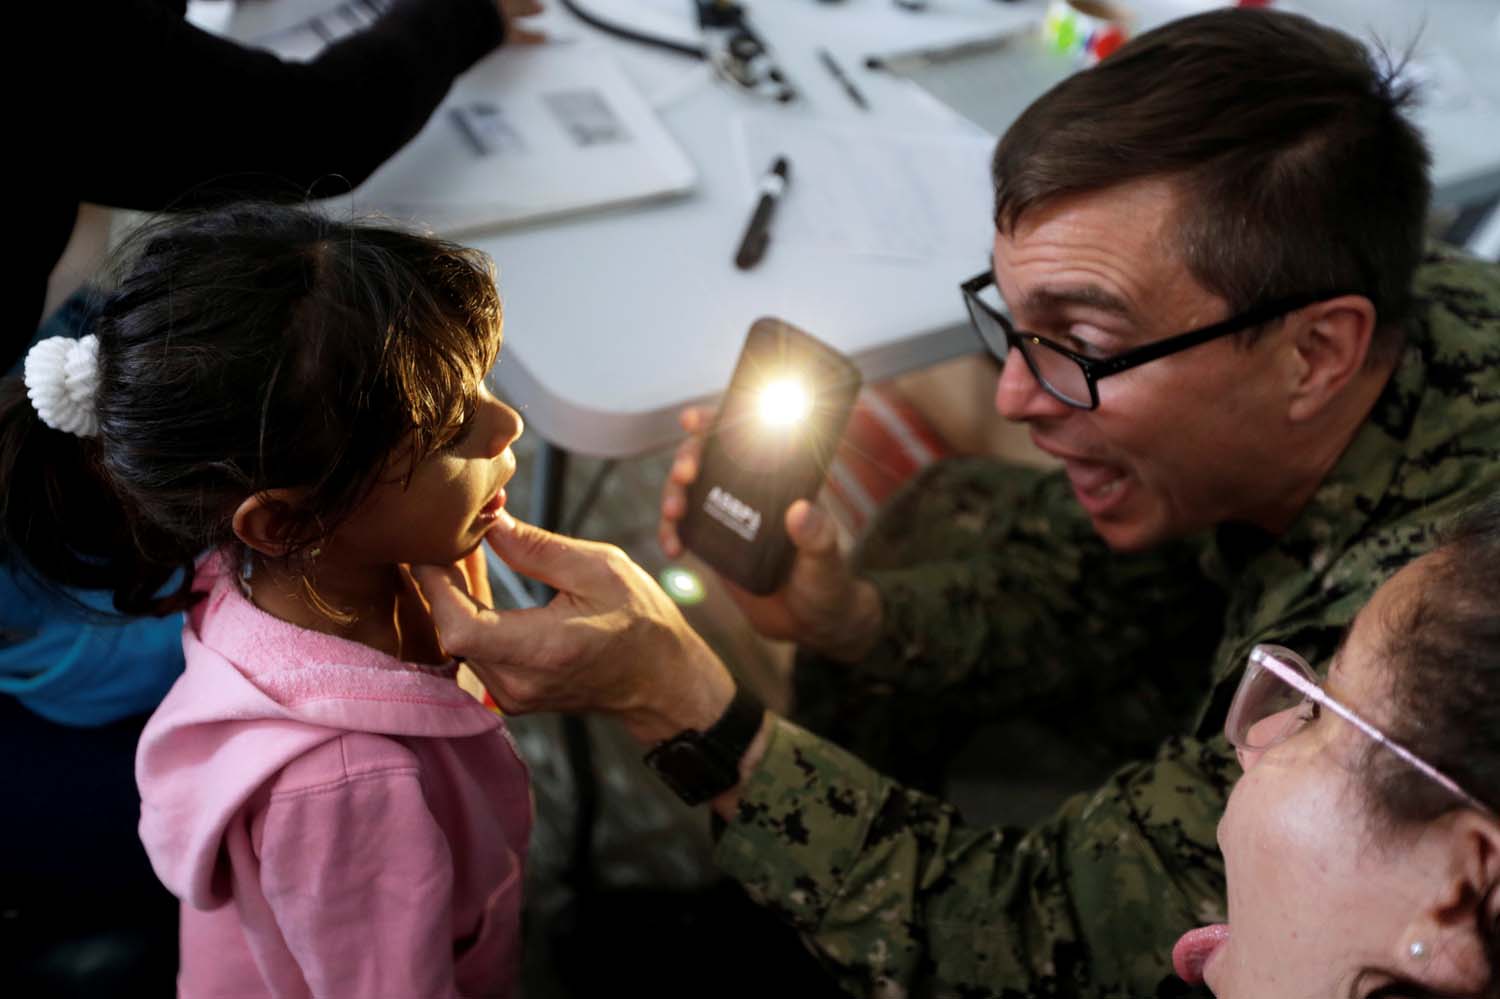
(1418, 950)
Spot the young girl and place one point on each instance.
(304, 401)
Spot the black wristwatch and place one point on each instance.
(702, 765)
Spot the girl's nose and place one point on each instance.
(506, 427)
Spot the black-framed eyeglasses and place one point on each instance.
(1073, 377)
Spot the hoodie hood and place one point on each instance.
(257, 693)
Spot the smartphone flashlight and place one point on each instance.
(784, 402)
(770, 445)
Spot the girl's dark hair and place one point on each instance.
(1442, 649)
(251, 348)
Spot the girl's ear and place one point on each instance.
(263, 521)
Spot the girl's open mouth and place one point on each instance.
(491, 510)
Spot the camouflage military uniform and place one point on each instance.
(1006, 599)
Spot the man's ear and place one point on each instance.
(1331, 342)
(264, 521)
(1445, 945)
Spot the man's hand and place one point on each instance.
(477, 576)
(823, 605)
(515, 34)
(610, 641)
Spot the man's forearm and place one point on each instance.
(697, 695)
(895, 893)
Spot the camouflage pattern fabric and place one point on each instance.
(999, 599)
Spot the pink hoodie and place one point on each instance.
(335, 821)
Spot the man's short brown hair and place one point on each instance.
(1298, 170)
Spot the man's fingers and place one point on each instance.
(447, 593)
(563, 563)
(685, 463)
(681, 475)
(695, 419)
(673, 502)
(811, 529)
(673, 507)
(668, 540)
(470, 629)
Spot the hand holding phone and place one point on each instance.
(770, 444)
(823, 605)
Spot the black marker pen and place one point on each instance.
(758, 233)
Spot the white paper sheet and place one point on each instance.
(887, 194)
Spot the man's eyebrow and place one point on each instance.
(1043, 301)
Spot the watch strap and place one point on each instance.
(699, 766)
(732, 734)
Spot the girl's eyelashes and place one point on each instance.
(465, 430)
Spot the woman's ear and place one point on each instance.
(264, 521)
(1446, 946)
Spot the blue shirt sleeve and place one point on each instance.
(86, 665)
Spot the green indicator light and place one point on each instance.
(682, 585)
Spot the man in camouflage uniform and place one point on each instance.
(1256, 488)
(888, 882)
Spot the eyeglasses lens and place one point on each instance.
(989, 328)
(1262, 712)
(1058, 373)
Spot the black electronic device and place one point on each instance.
(770, 444)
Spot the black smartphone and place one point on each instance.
(770, 444)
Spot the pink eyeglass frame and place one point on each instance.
(1271, 659)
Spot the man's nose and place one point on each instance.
(1019, 396)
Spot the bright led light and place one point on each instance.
(682, 585)
(784, 402)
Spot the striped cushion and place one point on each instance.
(886, 443)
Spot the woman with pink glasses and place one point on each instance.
(1362, 846)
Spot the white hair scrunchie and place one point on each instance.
(62, 376)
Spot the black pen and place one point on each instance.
(758, 233)
(826, 58)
